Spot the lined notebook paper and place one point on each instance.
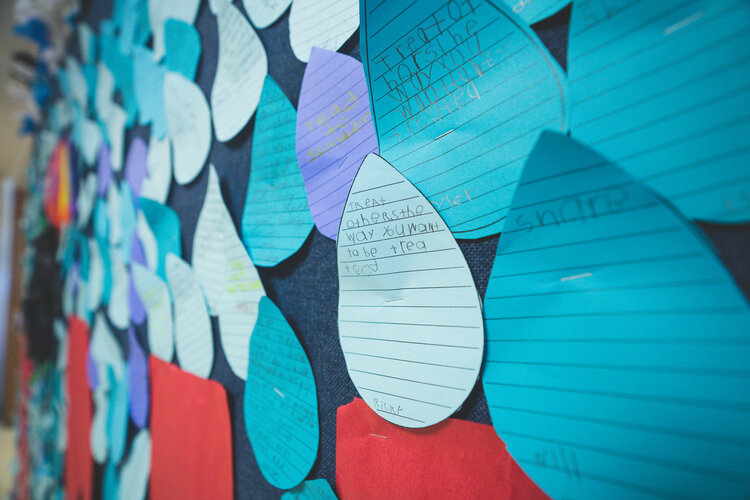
(264, 12)
(662, 89)
(410, 321)
(460, 92)
(188, 126)
(155, 297)
(239, 293)
(532, 11)
(281, 405)
(240, 71)
(314, 489)
(334, 133)
(208, 259)
(617, 343)
(326, 24)
(276, 220)
(192, 326)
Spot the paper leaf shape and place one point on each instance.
(96, 277)
(78, 466)
(315, 489)
(147, 239)
(188, 126)
(118, 309)
(192, 326)
(112, 206)
(454, 459)
(459, 113)
(104, 170)
(91, 141)
(111, 482)
(86, 199)
(138, 381)
(333, 136)
(276, 220)
(410, 320)
(263, 13)
(148, 81)
(199, 447)
(105, 351)
(135, 165)
(159, 170)
(183, 44)
(327, 25)
(98, 434)
(209, 259)
(161, 10)
(238, 301)
(663, 93)
(117, 415)
(532, 11)
(155, 297)
(240, 71)
(165, 225)
(281, 405)
(135, 470)
(617, 341)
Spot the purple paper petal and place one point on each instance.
(104, 170)
(138, 378)
(135, 165)
(137, 310)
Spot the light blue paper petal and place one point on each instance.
(165, 224)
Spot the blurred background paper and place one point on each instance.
(165, 226)
(78, 465)
(188, 126)
(264, 12)
(280, 402)
(161, 10)
(192, 326)
(148, 83)
(155, 296)
(662, 90)
(159, 170)
(617, 343)
(276, 219)
(135, 165)
(410, 320)
(138, 381)
(334, 133)
(325, 24)
(459, 116)
(240, 71)
(135, 470)
(183, 45)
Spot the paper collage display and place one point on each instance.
(410, 320)
(611, 341)
(460, 125)
(616, 340)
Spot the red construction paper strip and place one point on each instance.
(452, 459)
(78, 465)
(191, 440)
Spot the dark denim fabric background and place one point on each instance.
(305, 287)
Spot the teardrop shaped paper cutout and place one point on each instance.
(532, 11)
(118, 309)
(147, 240)
(135, 304)
(98, 432)
(161, 10)
(138, 381)
(105, 352)
(410, 320)
(264, 13)
(135, 470)
(188, 126)
(127, 221)
(238, 301)
(333, 134)
(281, 404)
(183, 44)
(209, 259)
(86, 200)
(117, 415)
(458, 114)
(155, 296)
(96, 277)
(325, 24)
(276, 220)
(313, 489)
(104, 170)
(111, 482)
(135, 165)
(112, 206)
(240, 71)
(165, 226)
(159, 170)
(617, 341)
(148, 82)
(661, 89)
(192, 326)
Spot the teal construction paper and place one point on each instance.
(117, 416)
(662, 89)
(121, 67)
(182, 47)
(276, 220)
(165, 224)
(315, 489)
(149, 91)
(111, 486)
(459, 93)
(281, 404)
(617, 343)
(532, 11)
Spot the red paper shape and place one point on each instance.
(78, 465)
(452, 459)
(191, 437)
